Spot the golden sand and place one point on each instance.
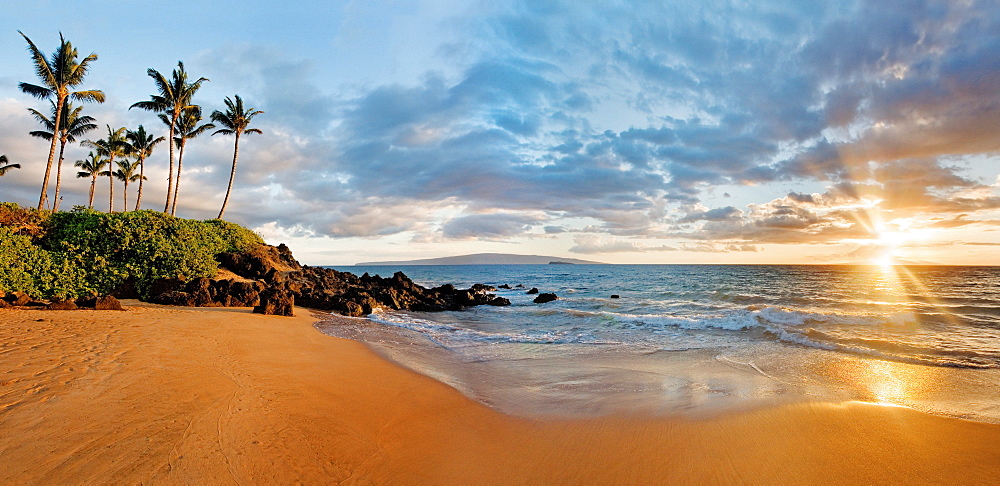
(219, 395)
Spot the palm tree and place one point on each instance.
(236, 119)
(4, 166)
(73, 125)
(111, 147)
(186, 128)
(59, 75)
(142, 145)
(126, 173)
(91, 167)
(175, 96)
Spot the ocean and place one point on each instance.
(694, 339)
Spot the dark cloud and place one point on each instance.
(727, 213)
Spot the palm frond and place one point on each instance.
(4, 169)
(200, 130)
(39, 92)
(41, 134)
(91, 165)
(236, 118)
(80, 71)
(79, 127)
(89, 95)
(253, 130)
(142, 143)
(149, 105)
(42, 68)
(74, 124)
(222, 118)
(42, 118)
(162, 85)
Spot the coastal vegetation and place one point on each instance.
(235, 121)
(73, 125)
(59, 75)
(175, 95)
(123, 154)
(71, 254)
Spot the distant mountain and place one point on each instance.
(488, 259)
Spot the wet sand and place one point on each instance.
(219, 395)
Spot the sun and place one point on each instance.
(892, 239)
(886, 260)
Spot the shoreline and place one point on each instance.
(219, 395)
(569, 381)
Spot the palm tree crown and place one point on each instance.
(59, 76)
(91, 167)
(73, 125)
(235, 120)
(4, 166)
(174, 96)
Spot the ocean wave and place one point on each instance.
(801, 328)
(449, 336)
(893, 336)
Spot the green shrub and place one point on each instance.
(236, 237)
(70, 254)
(37, 272)
(144, 245)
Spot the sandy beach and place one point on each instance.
(172, 395)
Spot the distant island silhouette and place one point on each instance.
(488, 259)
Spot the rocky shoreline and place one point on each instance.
(272, 281)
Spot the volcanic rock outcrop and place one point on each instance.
(272, 281)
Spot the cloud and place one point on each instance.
(590, 244)
(536, 116)
(718, 214)
(497, 226)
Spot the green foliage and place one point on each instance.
(37, 272)
(84, 250)
(238, 238)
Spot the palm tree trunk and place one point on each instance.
(232, 175)
(170, 174)
(125, 197)
(62, 149)
(142, 169)
(177, 183)
(93, 185)
(111, 185)
(52, 151)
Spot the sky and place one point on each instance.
(621, 132)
